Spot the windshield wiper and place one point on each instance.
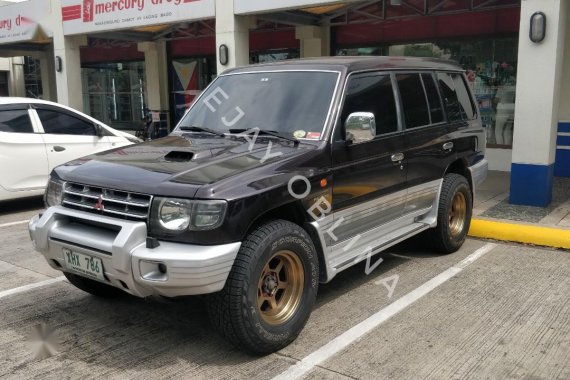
(269, 133)
(193, 128)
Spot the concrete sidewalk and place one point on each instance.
(494, 217)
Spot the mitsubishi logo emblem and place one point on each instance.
(99, 205)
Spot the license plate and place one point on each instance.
(85, 265)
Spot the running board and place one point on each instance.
(357, 255)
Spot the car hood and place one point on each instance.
(177, 165)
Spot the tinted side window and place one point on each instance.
(455, 97)
(414, 103)
(436, 111)
(372, 93)
(58, 123)
(15, 121)
(463, 96)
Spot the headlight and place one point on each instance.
(54, 192)
(183, 214)
(174, 214)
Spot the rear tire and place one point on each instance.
(93, 287)
(270, 291)
(454, 214)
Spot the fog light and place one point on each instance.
(153, 271)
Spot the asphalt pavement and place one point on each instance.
(492, 310)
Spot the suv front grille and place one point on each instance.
(114, 203)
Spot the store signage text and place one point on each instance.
(93, 15)
(113, 6)
(19, 21)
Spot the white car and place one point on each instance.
(37, 135)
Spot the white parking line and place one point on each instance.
(25, 288)
(13, 223)
(355, 333)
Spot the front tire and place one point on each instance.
(93, 287)
(454, 214)
(270, 291)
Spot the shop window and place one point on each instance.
(274, 55)
(15, 121)
(372, 93)
(115, 93)
(362, 51)
(33, 78)
(188, 78)
(414, 102)
(58, 123)
(4, 83)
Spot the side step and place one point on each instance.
(359, 253)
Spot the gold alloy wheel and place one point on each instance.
(280, 287)
(457, 214)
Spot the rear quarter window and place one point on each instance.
(456, 98)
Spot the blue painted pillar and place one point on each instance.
(539, 77)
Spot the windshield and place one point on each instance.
(293, 103)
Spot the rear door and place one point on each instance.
(67, 135)
(369, 174)
(461, 111)
(23, 158)
(427, 141)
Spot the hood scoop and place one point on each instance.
(179, 156)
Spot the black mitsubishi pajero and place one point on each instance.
(278, 177)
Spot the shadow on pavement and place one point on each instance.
(132, 334)
(21, 205)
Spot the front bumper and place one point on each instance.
(127, 262)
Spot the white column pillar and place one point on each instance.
(156, 76)
(68, 80)
(16, 81)
(232, 31)
(163, 75)
(537, 100)
(315, 40)
(47, 70)
(154, 60)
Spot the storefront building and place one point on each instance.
(11, 76)
(120, 60)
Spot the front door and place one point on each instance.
(68, 136)
(370, 173)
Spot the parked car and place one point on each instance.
(279, 177)
(36, 136)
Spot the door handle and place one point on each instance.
(58, 148)
(397, 157)
(448, 146)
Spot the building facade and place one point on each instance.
(12, 76)
(119, 59)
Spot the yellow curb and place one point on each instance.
(520, 233)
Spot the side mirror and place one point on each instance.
(99, 131)
(360, 126)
